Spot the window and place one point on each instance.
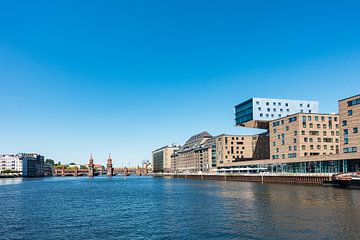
(301, 104)
(350, 112)
(350, 149)
(257, 102)
(279, 103)
(267, 103)
(261, 115)
(344, 122)
(308, 105)
(274, 130)
(274, 103)
(355, 130)
(316, 118)
(274, 109)
(309, 118)
(268, 109)
(292, 119)
(353, 102)
(286, 104)
(259, 108)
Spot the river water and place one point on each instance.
(160, 208)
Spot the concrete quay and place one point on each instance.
(286, 178)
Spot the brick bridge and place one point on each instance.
(91, 171)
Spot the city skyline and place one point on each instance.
(127, 78)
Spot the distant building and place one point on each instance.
(29, 164)
(304, 135)
(48, 169)
(256, 112)
(161, 158)
(11, 162)
(33, 164)
(349, 110)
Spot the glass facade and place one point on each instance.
(312, 167)
(158, 161)
(244, 112)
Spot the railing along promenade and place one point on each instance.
(289, 178)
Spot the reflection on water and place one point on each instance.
(5, 181)
(153, 208)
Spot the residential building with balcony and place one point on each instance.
(10, 162)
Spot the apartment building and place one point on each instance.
(10, 162)
(257, 111)
(304, 135)
(349, 110)
(161, 158)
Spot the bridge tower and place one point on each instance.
(109, 167)
(91, 167)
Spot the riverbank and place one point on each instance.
(288, 178)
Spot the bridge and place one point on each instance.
(110, 171)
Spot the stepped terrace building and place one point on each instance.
(195, 155)
(257, 112)
(304, 134)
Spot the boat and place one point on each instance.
(347, 180)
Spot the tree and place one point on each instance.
(50, 161)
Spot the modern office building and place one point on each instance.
(304, 134)
(349, 110)
(33, 164)
(10, 162)
(161, 158)
(256, 112)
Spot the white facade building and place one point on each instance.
(267, 109)
(11, 162)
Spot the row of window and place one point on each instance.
(274, 109)
(353, 102)
(286, 104)
(312, 147)
(304, 119)
(318, 126)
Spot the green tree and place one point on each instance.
(50, 161)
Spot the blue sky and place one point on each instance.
(127, 77)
